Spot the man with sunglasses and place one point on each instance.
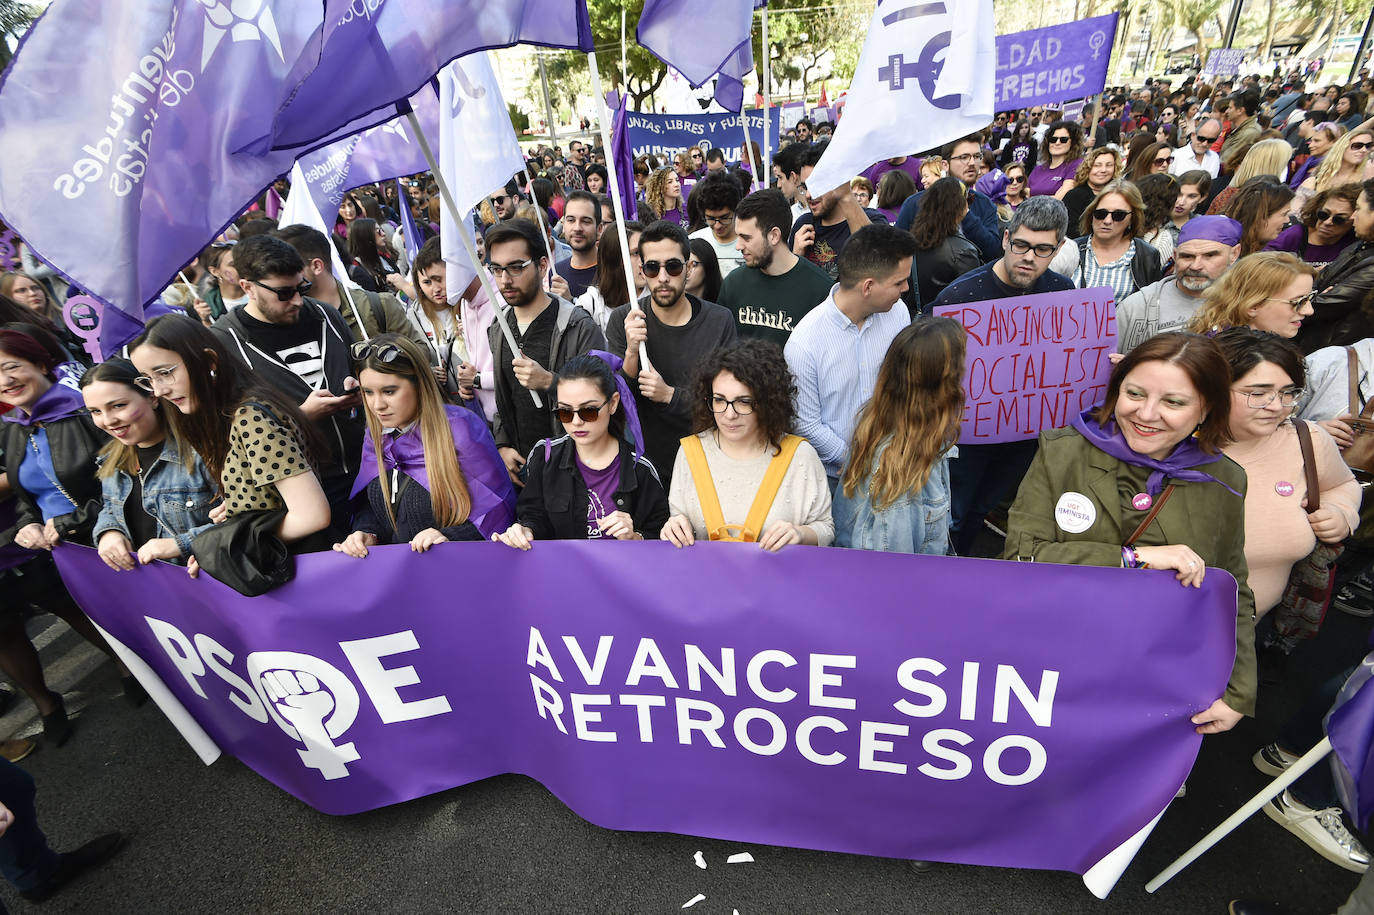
(717, 195)
(982, 475)
(1198, 154)
(299, 346)
(1207, 247)
(678, 330)
(549, 330)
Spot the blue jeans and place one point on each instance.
(25, 858)
(979, 479)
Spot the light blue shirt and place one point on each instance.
(835, 364)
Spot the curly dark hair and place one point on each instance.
(761, 368)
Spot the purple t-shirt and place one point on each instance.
(912, 166)
(677, 216)
(601, 487)
(1044, 181)
(1290, 239)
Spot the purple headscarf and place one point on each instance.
(1178, 465)
(57, 402)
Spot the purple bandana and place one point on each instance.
(1187, 454)
(627, 400)
(489, 486)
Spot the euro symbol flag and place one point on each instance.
(925, 77)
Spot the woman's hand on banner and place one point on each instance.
(356, 544)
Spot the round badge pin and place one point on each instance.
(1142, 501)
(1074, 512)
(1284, 488)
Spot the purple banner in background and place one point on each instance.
(1033, 362)
(1054, 64)
(810, 698)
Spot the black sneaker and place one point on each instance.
(1356, 596)
(74, 863)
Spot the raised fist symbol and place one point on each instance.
(312, 702)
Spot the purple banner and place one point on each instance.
(806, 698)
(1350, 725)
(1054, 64)
(1034, 361)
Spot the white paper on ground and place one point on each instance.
(1102, 876)
(693, 901)
(741, 858)
(201, 742)
(700, 860)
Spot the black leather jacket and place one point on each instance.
(1146, 267)
(553, 504)
(1338, 311)
(74, 443)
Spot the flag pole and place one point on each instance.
(767, 176)
(621, 235)
(543, 230)
(465, 233)
(749, 148)
(1276, 787)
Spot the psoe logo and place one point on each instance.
(241, 20)
(311, 700)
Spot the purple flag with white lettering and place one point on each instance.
(807, 698)
(375, 54)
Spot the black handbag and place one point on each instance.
(245, 552)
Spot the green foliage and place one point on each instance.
(518, 119)
(15, 18)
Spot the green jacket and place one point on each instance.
(372, 306)
(1204, 516)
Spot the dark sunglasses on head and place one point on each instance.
(1336, 219)
(285, 293)
(586, 414)
(673, 265)
(382, 352)
(1116, 215)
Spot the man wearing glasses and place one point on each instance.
(982, 475)
(980, 225)
(718, 194)
(299, 346)
(1198, 153)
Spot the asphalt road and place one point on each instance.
(221, 839)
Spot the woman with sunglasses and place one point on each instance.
(430, 471)
(1343, 164)
(1268, 376)
(1269, 291)
(1059, 160)
(742, 476)
(1149, 160)
(1326, 227)
(51, 494)
(254, 441)
(1110, 251)
(156, 491)
(1100, 167)
(594, 483)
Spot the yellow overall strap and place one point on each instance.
(768, 489)
(706, 487)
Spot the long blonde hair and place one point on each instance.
(1246, 285)
(1334, 159)
(1267, 157)
(915, 412)
(448, 490)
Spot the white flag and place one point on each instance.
(925, 77)
(299, 209)
(477, 153)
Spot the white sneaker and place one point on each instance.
(1273, 759)
(1322, 830)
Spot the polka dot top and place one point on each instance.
(262, 450)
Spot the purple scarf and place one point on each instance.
(57, 402)
(489, 486)
(1186, 455)
(627, 399)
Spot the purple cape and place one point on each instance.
(1186, 455)
(489, 486)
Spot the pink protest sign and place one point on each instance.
(1034, 361)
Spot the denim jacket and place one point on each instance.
(178, 497)
(914, 523)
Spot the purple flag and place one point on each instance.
(1034, 362)
(1350, 725)
(807, 698)
(1053, 64)
(623, 160)
(375, 54)
(697, 37)
(409, 232)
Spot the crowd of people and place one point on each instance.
(763, 365)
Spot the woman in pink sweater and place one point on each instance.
(1267, 375)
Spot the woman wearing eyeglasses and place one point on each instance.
(430, 471)
(742, 476)
(50, 493)
(594, 483)
(254, 441)
(1268, 375)
(703, 271)
(1059, 160)
(1326, 228)
(1343, 164)
(1269, 291)
(1110, 251)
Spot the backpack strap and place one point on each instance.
(374, 303)
(706, 487)
(768, 489)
